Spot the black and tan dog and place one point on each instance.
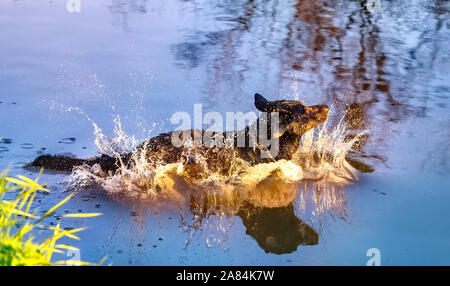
(294, 120)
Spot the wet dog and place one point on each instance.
(294, 119)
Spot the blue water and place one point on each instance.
(388, 71)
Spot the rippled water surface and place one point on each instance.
(68, 79)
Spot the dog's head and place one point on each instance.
(295, 118)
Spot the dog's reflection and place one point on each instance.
(277, 230)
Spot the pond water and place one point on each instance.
(385, 73)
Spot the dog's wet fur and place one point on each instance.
(295, 119)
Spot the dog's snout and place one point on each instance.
(321, 112)
(322, 108)
(325, 109)
(324, 112)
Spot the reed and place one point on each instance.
(19, 221)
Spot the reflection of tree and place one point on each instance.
(189, 54)
(350, 72)
(122, 8)
(235, 49)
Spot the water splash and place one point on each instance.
(322, 155)
(313, 180)
(114, 147)
(320, 159)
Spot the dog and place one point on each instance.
(295, 119)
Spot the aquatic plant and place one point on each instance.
(18, 220)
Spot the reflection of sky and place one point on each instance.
(145, 60)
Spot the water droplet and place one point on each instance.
(85, 198)
(6, 140)
(68, 140)
(26, 146)
(20, 164)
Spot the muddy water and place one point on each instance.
(385, 72)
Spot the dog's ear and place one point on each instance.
(261, 102)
